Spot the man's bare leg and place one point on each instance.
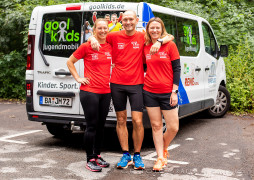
(121, 129)
(138, 130)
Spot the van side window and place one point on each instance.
(209, 40)
(89, 18)
(61, 33)
(188, 42)
(169, 22)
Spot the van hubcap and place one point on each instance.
(221, 103)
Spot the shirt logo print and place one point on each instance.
(162, 55)
(120, 45)
(95, 56)
(148, 56)
(135, 45)
(108, 55)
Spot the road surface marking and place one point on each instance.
(7, 138)
(169, 161)
(189, 139)
(154, 153)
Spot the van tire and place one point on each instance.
(58, 130)
(222, 103)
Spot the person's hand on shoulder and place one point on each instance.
(155, 48)
(94, 43)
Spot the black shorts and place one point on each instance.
(120, 93)
(157, 100)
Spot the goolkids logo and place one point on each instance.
(59, 31)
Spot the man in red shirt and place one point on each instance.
(127, 81)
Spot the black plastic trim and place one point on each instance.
(56, 94)
(62, 73)
(191, 108)
(67, 118)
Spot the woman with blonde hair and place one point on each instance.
(94, 91)
(161, 88)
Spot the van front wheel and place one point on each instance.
(58, 130)
(222, 103)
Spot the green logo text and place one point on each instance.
(57, 31)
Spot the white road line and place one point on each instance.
(12, 141)
(173, 146)
(189, 139)
(169, 161)
(6, 138)
(149, 156)
(114, 154)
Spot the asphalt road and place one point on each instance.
(207, 149)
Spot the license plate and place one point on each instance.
(55, 101)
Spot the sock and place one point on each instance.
(136, 153)
(126, 152)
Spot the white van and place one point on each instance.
(55, 32)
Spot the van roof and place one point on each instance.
(87, 6)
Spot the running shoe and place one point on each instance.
(158, 166)
(165, 157)
(125, 161)
(138, 163)
(92, 166)
(101, 162)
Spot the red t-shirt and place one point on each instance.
(97, 67)
(127, 57)
(159, 75)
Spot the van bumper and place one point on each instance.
(79, 120)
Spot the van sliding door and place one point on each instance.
(55, 90)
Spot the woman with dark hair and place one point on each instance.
(161, 88)
(94, 91)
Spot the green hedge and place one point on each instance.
(12, 75)
(240, 77)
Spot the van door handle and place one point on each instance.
(198, 69)
(62, 73)
(207, 69)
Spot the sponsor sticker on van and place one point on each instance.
(60, 32)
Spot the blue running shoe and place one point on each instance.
(125, 161)
(138, 163)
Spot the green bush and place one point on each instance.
(12, 75)
(240, 81)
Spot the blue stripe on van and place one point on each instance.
(147, 14)
(182, 95)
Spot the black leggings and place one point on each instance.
(96, 107)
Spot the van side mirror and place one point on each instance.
(224, 51)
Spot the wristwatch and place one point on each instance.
(160, 40)
(175, 91)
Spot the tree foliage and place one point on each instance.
(232, 21)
